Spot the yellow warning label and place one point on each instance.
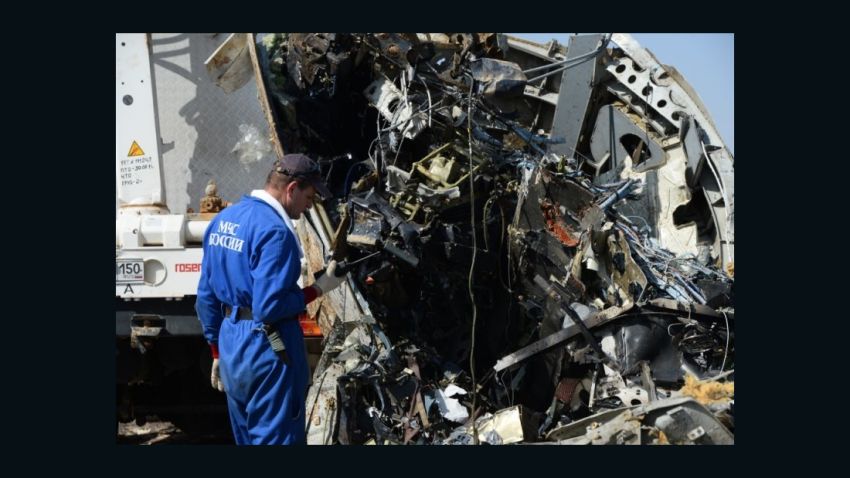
(135, 150)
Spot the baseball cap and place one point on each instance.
(299, 166)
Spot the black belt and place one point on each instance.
(244, 313)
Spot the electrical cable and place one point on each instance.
(472, 267)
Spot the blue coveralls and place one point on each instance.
(251, 259)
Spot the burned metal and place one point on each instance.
(544, 238)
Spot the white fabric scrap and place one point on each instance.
(450, 408)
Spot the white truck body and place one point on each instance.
(175, 131)
(168, 146)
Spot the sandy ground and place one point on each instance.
(157, 432)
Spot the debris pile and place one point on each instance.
(540, 239)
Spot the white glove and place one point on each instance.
(329, 281)
(215, 378)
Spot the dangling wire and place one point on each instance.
(378, 166)
(472, 265)
(428, 91)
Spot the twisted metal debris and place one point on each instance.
(544, 239)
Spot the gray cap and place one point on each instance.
(299, 166)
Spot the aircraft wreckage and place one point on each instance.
(539, 238)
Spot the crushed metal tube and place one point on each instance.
(540, 237)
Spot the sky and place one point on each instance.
(706, 60)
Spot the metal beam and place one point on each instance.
(574, 94)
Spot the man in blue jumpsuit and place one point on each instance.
(249, 300)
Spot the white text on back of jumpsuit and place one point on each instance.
(226, 237)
